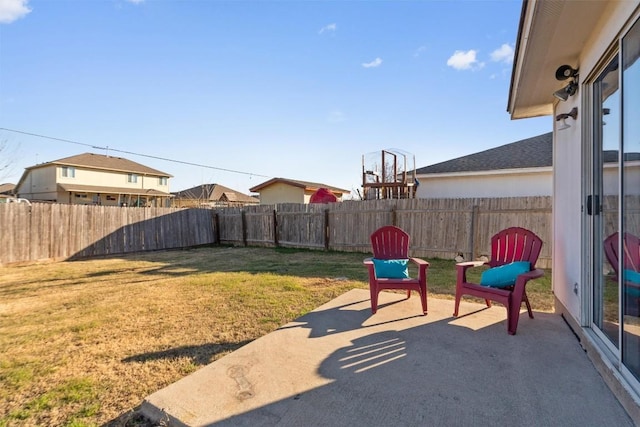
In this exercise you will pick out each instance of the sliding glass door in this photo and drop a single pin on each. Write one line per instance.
(602, 203)
(630, 279)
(612, 203)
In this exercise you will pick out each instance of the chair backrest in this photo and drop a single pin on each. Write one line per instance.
(515, 244)
(631, 251)
(390, 242)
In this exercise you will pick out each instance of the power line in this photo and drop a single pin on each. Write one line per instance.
(132, 153)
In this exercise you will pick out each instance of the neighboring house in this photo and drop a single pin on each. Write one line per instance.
(522, 168)
(95, 179)
(282, 190)
(578, 62)
(7, 189)
(519, 169)
(212, 195)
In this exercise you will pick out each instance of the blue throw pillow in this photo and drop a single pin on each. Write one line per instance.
(391, 268)
(504, 275)
(633, 277)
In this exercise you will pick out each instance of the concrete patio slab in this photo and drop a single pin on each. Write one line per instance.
(340, 365)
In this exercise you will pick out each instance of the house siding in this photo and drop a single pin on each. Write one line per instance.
(568, 234)
(495, 184)
(282, 193)
(91, 185)
(39, 184)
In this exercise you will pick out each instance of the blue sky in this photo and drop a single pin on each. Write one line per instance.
(293, 89)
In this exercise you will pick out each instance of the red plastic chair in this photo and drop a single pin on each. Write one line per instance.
(631, 262)
(388, 243)
(509, 245)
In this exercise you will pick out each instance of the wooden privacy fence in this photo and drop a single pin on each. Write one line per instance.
(57, 231)
(439, 228)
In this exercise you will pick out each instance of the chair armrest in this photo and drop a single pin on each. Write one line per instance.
(419, 261)
(533, 274)
(471, 264)
(523, 278)
(633, 285)
(422, 267)
(462, 268)
(370, 269)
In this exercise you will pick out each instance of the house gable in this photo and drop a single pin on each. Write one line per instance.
(95, 179)
(282, 190)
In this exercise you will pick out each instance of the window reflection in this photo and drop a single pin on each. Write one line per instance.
(630, 282)
(607, 121)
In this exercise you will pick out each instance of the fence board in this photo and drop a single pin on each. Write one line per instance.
(439, 228)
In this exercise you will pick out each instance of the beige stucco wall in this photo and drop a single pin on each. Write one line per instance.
(282, 193)
(103, 178)
(568, 237)
(39, 184)
(507, 183)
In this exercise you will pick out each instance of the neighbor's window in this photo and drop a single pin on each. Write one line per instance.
(132, 177)
(163, 180)
(68, 171)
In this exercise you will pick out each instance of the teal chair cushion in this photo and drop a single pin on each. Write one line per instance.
(391, 268)
(504, 275)
(633, 277)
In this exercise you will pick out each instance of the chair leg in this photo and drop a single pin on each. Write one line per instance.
(408, 293)
(374, 299)
(457, 304)
(423, 299)
(512, 321)
(488, 302)
(526, 301)
(513, 315)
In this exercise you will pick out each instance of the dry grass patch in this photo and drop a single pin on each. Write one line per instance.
(83, 342)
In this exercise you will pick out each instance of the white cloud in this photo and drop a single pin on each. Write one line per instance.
(461, 60)
(419, 51)
(375, 63)
(328, 28)
(503, 54)
(135, 1)
(11, 10)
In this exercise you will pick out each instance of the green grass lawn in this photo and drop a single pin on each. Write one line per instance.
(82, 343)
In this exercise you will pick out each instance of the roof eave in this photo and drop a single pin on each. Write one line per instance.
(545, 42)
(528, 170)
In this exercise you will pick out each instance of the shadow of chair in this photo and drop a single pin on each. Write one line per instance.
(631, 268)
(508, 246)
(390, 244)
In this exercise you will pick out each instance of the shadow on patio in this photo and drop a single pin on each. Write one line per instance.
(339, 365)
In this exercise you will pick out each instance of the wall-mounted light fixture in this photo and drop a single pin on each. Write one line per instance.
(565, 72)
(564, 116)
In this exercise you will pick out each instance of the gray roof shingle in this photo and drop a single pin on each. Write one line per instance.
(214, 192)
(100, 161)
(535, 152)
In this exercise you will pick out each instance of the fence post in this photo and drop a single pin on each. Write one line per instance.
(243, 216)
(474, 229)
(275, 228)
(394, 216)
(326, 229)
(216, 228)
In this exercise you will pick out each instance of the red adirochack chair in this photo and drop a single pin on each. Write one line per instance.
(631, 266)
(514, 253)
(388, 269)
